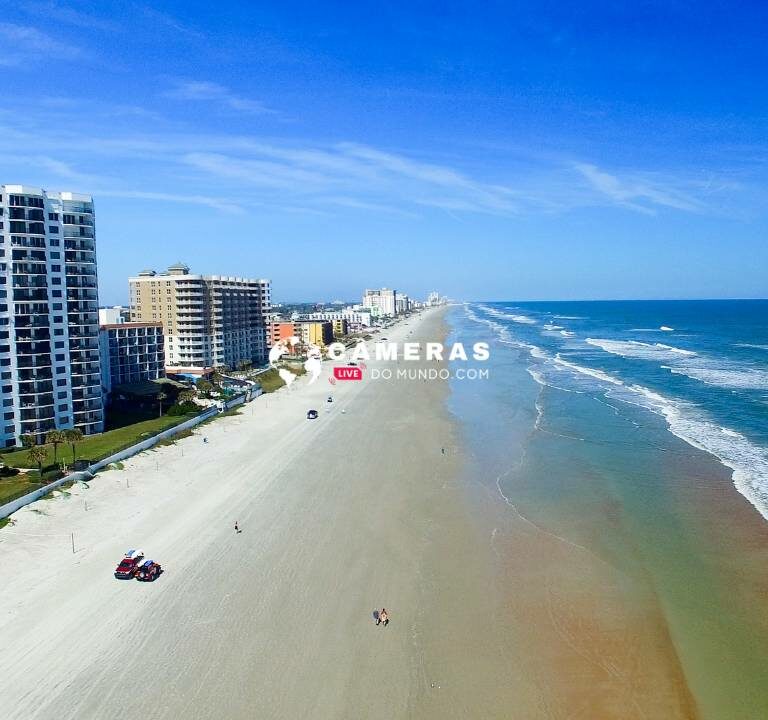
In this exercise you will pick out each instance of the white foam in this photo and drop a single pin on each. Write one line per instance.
(549, 326)
(748, 461)
(521, 319)
(666, 328)
(567, 333)
(752, 345)
(727, 377)
(640, 350)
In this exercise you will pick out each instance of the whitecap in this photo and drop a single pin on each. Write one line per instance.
(521, 319)
(727, 377)
(666, 328)
(640, 350)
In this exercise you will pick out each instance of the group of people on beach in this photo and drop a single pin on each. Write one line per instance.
(382, 618)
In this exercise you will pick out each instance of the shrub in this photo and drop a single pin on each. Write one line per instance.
(184, 408)
(6, 471)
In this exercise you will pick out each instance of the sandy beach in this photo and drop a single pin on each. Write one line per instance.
(498, 609)
(339, 516)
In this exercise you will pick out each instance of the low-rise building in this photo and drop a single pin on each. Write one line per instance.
(114, 315)
(340, 327)
(131, 352)
(314, 332)
(279, 330)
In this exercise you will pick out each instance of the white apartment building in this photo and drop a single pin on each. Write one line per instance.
(357, 318)
(208, 320)
(384, 299)
(49, 330)
(402, 303)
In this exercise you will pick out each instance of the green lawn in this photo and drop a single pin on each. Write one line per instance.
(270, 380)
(14, 487)
(96, 447)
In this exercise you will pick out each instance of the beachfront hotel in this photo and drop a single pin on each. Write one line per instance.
(383, 299)
(208, 320)
(49, 331)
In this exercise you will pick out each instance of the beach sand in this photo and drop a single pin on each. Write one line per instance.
(491, 615)
(339, 516)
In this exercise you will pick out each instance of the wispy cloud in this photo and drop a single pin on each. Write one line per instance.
(199, 90)
(62, 13)
(295, 175)
(205, 200)
(639, 192)
(19, 43)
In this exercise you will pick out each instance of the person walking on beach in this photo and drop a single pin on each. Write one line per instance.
(237, 529)
(383, 617)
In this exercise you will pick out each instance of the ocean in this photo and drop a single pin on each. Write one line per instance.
(638, 431)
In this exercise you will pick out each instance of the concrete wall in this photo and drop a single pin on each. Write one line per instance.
(14, 505)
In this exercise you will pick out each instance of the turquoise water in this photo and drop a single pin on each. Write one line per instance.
(700, 365)
(625, 428)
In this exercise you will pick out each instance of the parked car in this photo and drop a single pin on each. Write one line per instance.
(127, 567)
(312, 415)
(148, 571)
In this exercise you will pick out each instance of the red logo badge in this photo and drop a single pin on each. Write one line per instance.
(347, 372)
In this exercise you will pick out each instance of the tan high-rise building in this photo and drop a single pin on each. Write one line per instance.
(208, 320)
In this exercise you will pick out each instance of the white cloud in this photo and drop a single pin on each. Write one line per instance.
(20, 42)
(641, 192)
(199, 90)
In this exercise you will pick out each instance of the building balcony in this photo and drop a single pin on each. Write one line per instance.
(77, 231)
(31, 362)
(86, 245)
(34, 387)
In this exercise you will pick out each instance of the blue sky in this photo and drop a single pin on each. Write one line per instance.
(544, 150)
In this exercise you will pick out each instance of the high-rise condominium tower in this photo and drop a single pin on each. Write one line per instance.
(49, 324)
(208, 320)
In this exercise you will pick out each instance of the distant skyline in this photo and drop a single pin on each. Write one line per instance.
(568, 151)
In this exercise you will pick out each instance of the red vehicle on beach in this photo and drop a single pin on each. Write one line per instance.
(148, 571)
(127, 567)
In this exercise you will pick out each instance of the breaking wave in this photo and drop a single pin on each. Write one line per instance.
(641, 350)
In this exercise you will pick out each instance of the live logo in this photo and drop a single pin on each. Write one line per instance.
(347, 372)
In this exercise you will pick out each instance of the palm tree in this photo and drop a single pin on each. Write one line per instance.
(160, 397)
(28, 440)
(38, 454)
(73, 436)
(204, 387)
(55, 437)
(185, 396)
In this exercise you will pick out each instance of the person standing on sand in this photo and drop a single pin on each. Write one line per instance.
(237, 529)
(384, 617)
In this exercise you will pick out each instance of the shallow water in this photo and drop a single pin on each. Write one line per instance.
(595, 438)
